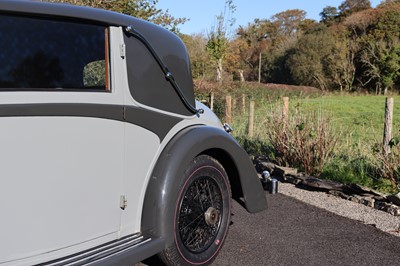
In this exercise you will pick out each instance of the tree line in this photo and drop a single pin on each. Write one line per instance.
(353, 47)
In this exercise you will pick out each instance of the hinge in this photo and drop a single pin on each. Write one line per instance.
(122, 51)
(123, 202)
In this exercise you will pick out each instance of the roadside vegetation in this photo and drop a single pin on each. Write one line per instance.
(332, 136)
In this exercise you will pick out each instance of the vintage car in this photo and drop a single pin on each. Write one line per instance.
(106, 157)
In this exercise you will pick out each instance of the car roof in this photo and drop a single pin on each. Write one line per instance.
(68, 11)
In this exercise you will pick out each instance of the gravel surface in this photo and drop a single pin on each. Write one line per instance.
(367, 215)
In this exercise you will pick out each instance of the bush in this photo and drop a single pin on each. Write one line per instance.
(304, 141)
(255, 147)
(390, 164)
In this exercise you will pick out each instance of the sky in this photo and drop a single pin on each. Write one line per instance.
(202, 12)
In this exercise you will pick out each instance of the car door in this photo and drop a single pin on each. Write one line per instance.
(61, 138)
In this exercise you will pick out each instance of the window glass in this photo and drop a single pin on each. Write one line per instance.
(41, 54)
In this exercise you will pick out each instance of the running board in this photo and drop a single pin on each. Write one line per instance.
(125, 251)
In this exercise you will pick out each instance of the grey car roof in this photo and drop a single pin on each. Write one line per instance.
(68, 11)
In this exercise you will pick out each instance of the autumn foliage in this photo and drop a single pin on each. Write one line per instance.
(352, 48)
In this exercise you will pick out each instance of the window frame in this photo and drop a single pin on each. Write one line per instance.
(107, 60)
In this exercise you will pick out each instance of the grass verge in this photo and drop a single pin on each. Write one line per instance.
(356, 122)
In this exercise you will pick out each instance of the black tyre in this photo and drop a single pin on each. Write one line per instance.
(202, 214)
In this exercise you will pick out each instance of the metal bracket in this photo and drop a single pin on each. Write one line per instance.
(123, 202)
(122, 51)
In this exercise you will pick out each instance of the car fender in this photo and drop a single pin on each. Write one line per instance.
(163, 187)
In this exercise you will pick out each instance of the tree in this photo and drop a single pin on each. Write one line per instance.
(380, 55)
(307, 62)
(381, 65)
(257, 35)
(217, 44)
(349, 7)
(269, 40)
(340, 63)
(144, 9)
(329, 15)
(389, 1)
(359, 23)
(287, 27)
(245, 51)
(289, 21)
(202, 67)
(236, 59)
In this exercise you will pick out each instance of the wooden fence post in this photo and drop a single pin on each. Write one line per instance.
(228, 110)
(285, 111)
(251, 120)
(387, 132)
(212, 101)
(243, 107)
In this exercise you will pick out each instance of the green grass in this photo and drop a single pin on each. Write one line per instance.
(356, 169)
(358, 119)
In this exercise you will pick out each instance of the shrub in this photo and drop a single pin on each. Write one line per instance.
(390, 164)
(255, 147)
(305, 141)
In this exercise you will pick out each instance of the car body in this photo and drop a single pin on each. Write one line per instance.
(102, 143)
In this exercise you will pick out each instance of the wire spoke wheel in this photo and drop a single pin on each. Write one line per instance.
(199, 216)
(202, 214)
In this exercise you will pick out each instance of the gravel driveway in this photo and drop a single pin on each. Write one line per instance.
(367, 215)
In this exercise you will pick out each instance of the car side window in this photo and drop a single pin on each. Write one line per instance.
(45, 54)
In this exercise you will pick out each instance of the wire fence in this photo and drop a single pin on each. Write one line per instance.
(359, 120)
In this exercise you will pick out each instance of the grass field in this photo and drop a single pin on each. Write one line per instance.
(358, 120)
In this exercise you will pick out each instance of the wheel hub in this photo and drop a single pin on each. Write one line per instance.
(211, 216)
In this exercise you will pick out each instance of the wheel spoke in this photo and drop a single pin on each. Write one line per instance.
(198, 217)
(209, 193)
(199, 197)
(195, 231)
(197, 234)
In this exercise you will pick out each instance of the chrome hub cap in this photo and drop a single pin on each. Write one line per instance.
(211, 216)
